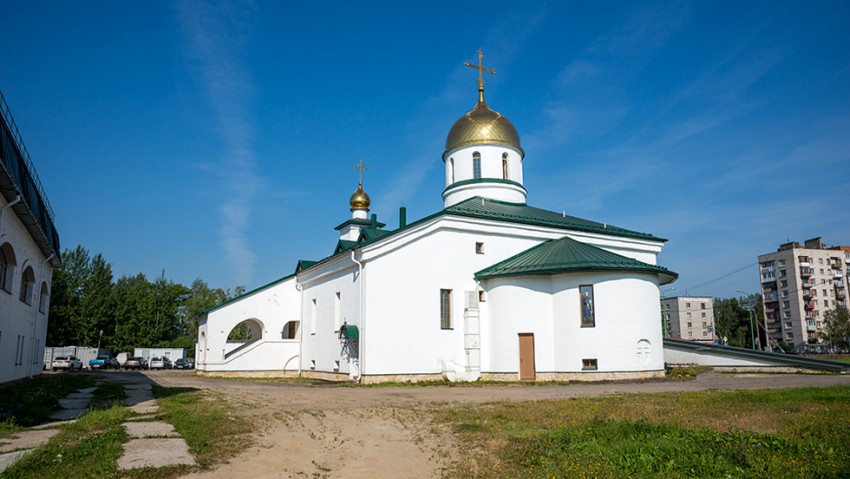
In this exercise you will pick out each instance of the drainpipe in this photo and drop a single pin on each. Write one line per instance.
(38, 282)
(361, 320)
(300, 289)
(3, 208)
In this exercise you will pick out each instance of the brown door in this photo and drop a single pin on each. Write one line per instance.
(526, 357)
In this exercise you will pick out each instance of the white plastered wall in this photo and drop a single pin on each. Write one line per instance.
(16, 317)
(272, 307)
(626, 312)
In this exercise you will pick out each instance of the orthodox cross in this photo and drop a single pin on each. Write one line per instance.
(481, 69)
(360, 166)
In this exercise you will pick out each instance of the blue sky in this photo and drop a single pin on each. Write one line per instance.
(215, 140)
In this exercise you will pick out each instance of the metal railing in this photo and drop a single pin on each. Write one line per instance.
(22, 150)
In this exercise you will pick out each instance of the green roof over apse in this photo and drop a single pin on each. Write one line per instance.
(567, 255)
(521, 213)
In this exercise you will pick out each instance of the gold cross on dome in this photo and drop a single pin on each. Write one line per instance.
(360, 166)
(481, 69)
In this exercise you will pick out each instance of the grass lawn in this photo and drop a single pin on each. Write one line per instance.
(789, 433)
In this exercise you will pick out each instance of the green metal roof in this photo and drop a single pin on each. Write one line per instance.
(370, 234)
(568, 255)
(304, 264)
(344, 245)
(521, 213)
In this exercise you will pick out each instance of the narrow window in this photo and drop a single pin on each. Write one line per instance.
(4, 268)
(504, 166)
(481, 297)
(479, 248)
(313, 317)
(589, 364)
(476, 165)
(27, 280)
(587, 315)
(43, 298)
(337, 313)
(445, 309)
(452, 169)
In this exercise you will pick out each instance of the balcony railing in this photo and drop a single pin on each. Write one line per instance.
(809, 305)
(805, 271)
(771, 297)
(807, 284)
(838, 283)
(835, 264)
(768, 277)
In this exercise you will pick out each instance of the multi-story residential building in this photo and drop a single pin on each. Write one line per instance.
(29, 250)
(689, 317)
(800, 284)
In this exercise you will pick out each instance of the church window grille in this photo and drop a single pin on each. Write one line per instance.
(476, 165)
(27, 282)
(589, 364)
(504, 166)
(445, 309)
(588, 319)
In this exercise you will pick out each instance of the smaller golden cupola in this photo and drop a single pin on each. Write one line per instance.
(359, 200)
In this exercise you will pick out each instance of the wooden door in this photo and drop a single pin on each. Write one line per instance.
(526, 357)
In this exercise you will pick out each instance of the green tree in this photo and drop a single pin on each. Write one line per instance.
(837, 326)
(732, 319)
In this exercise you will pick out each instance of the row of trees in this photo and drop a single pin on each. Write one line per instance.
(131, 311)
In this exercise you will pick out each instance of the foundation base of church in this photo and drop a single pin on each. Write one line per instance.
(587, 376)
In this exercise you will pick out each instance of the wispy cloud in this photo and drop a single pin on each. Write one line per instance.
(215, 34)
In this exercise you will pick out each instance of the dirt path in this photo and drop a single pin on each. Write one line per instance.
(327, 431)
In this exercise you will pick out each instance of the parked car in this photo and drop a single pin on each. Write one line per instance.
(66, 362)
(135, 362)
(103, 361)
(184, 363)
(160, 363)
(114, 364)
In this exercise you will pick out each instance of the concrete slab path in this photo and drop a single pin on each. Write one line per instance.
(18, 445)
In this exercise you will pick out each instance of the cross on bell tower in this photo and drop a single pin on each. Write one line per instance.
(361, 167)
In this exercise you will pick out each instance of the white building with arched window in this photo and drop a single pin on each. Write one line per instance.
(29, 250)
(489, 287)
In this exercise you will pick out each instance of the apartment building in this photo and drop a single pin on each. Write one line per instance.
(799, 285)
(689, 317)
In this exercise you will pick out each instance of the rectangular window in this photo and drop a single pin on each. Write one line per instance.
(704, 324)
(313, 317)
(789, 335)
(687, 305)
(690, 324)
(782, 262)
(479, 248)
(481, 296)
(825, 302)
(589, 364)
(784, 283)
(588, 319)
(476, 166)
(337, 313)
(504, 168)
(445, 309)
(786, 304)
(702, 306)
(19, 352)
(703, 315)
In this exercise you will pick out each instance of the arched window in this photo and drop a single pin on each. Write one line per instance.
(27, 285)
(504, 166)
(7, 267)
(290, 330)
(43, 298)
(451, 170)
(476, 165)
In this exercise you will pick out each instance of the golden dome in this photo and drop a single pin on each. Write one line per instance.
(360, 200)
(482, 126)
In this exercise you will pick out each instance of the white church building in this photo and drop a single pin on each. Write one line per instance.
(487, 288)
